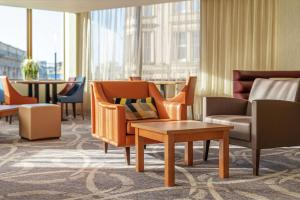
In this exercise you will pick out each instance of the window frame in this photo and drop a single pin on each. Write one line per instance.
(29, 40)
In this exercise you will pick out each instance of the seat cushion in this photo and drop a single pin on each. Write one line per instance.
(130, 129)
(241, 124)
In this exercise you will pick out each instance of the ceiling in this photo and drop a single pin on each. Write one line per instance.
(77, 6)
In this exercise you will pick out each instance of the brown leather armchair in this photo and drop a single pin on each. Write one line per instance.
(269, 119)
(108, 120)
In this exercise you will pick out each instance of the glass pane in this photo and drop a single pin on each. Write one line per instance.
(48, 43)
(12, 41)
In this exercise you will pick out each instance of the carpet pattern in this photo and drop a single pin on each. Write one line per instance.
(75, 168)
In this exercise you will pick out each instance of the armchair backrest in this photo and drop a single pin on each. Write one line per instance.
(243, 80)
(287, 90)
(76, 93)
(124, 89)
(11, 96)
(191, 87)
(67, 87)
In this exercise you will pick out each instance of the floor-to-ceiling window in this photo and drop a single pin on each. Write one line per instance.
(13, 43)
(48, 43)
(166, 39)
(46, 46)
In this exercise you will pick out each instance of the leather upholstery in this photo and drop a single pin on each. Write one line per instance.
(286, 90)
(241, 124)
(272, 117)
(34, 125)
(12, 97)
(108, 119)
(243, 80)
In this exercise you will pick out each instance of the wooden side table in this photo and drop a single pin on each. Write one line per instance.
(181, 131)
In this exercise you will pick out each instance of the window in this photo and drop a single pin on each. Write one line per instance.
(180, 46)
(195, 43)
(148, 47)
(12, 41)
(180, 7)
(148, 11)
(48, 43)
(196, 5)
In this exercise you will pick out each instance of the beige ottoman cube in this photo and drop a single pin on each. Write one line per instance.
(40, 121)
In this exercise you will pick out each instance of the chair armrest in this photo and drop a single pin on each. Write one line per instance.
(111, 123)
(275, 123)
(175, 110)
(224, 106)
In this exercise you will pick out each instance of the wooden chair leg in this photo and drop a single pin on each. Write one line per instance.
(6, 119)
(205, 149)
(82, 111)
(10, 119)
(62, 110)
(67, 110)
(192, 110)
(145, 146)
(255, 161)
(74, 110)
(105, 146)
(127, 154)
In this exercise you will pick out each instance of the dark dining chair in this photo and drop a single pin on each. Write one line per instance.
(66, 90)
(74, 96)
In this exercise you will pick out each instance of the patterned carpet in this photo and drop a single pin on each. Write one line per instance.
(75, 168)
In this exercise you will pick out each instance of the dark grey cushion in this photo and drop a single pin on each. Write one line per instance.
(241, 123)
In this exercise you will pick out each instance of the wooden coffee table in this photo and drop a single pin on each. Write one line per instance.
(180, 131)
(8, 110)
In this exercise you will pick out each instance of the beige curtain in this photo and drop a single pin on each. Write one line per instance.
(235, 34)
(83, 52)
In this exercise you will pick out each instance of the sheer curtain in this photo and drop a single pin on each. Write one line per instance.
(160, 42)
(170, 35)
(113, 44)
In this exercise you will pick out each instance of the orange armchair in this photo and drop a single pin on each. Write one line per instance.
(12, 97)
(187, 94)
(108, 119)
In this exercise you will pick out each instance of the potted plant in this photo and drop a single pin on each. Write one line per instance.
(30, 69)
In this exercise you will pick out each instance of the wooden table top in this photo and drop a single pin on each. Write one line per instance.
(173, 127)
(45, 82)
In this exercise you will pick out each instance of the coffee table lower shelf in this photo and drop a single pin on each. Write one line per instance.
(158, 132)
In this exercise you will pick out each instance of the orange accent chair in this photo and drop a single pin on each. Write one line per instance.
(135, 78)
(187, 94)
(108, 119)
(12, 97)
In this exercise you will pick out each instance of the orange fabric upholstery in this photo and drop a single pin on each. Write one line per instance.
(186, 95)
(12, 97)
(108, 119)
(67, 87)
(135, 78)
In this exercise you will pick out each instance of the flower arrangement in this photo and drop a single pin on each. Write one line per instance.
(30, 69)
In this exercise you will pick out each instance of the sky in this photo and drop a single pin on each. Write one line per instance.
(47, 32)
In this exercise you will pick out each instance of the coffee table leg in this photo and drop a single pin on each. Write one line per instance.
(169, 161)
(188, 153)
(139, 149)
(224, 156)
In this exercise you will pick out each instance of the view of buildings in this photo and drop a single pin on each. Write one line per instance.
(11, 59)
